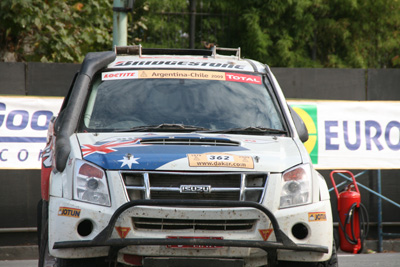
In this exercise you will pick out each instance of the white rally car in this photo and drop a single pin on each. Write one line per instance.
(170, 157)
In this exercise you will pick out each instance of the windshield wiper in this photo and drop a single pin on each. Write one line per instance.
(249, 130)
(165, 127)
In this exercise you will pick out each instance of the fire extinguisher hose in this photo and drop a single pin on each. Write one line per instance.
(350, 219)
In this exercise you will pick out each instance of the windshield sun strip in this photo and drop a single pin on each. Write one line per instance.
(264, 82)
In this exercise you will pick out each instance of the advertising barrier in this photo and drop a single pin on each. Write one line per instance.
(352, 134)
(342, 134)
(23, 129)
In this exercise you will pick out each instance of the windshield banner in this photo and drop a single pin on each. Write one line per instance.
(342, 134)
(352, 134)
(181, 74)
(23, 129)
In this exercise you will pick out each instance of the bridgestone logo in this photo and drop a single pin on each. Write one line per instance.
(179, 63)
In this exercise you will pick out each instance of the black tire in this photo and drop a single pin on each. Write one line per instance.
(95, 262)
(43, 235)
(39, 221)
(332, 262)
(336, 237)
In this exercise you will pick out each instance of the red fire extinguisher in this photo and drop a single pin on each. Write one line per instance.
(352, 215)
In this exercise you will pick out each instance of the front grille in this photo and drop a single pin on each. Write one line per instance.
(195, 185)
(188, 224)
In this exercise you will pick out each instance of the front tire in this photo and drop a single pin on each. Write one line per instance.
(95, 262)
(332, 262)
(45, 259)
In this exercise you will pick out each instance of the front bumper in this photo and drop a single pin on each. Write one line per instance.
(104, 238)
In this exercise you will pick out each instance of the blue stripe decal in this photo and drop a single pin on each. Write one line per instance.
(11, 139)
(151, 157)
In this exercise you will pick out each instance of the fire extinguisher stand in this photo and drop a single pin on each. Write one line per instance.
(350, 210)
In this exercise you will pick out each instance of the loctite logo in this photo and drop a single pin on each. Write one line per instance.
(119, 75)
(235, 77)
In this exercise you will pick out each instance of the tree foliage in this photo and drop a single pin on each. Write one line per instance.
(161, 23)
(54, 30)
(284, 33)
(288, 33)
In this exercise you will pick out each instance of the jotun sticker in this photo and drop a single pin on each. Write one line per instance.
(220, 160)
(316, 216)
(69, 212)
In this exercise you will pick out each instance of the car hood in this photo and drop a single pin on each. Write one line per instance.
(189, 152)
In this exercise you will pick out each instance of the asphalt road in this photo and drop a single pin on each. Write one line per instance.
(369, 260)
(345, 260)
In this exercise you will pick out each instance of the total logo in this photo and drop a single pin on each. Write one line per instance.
(243, 78)
(309, 115)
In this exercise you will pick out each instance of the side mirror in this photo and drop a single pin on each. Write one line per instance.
(300, 125)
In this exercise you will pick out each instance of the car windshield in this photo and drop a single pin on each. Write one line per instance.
(207, 101)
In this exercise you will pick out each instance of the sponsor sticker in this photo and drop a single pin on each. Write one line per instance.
(220, 160)
(119, 75)
(183, 64)
(122, 231)
(243, 78)
(265, 233)
(182, 74)
(316, 216)
(69, 212)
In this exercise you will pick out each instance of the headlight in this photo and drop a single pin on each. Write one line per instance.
(296, 186)
(90, 184)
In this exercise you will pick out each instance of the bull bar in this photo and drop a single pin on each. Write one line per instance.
(271, 247)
